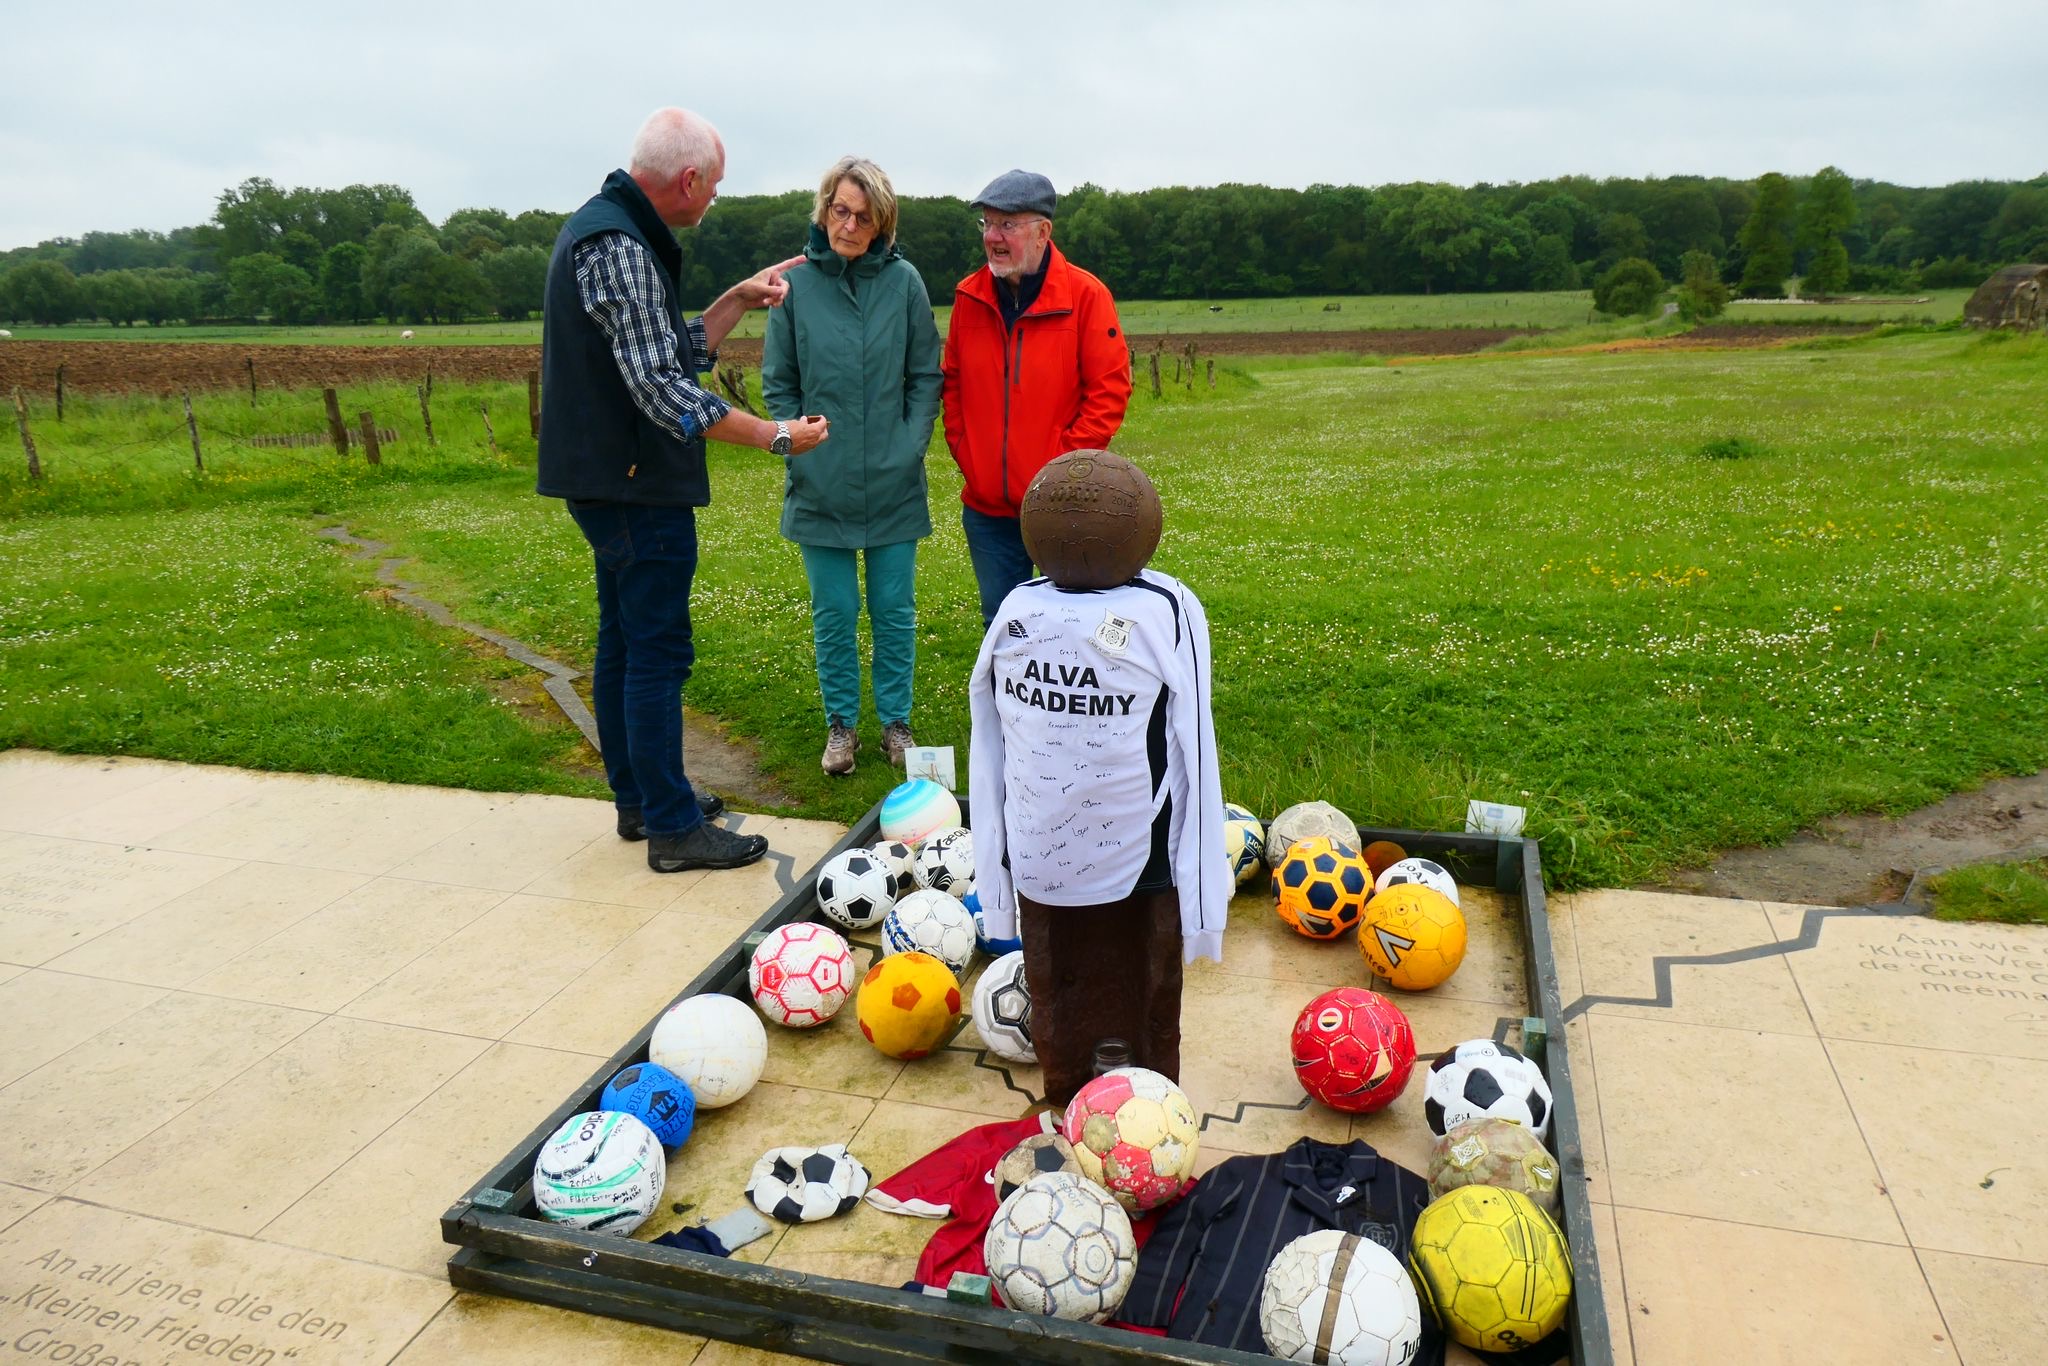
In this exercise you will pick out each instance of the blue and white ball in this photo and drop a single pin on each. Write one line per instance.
(916, 809)
(931, 922)
(603, 1170)
(657, 1098)
(994, 948)
(1244, 842)
(945, 862)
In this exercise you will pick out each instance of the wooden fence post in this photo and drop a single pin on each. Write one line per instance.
(533, 402)
(1212, 372)
(372, 452)
(334, 427)
(489, 435)
(28, 443)
(426, 418)
(192, 426)
(1154, 358)
(60, 392)
(250, 361)
(430, 379)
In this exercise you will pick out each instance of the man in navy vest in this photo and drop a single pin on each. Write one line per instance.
(622, 436)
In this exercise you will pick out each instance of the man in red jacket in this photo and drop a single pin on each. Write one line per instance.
(1036, 365)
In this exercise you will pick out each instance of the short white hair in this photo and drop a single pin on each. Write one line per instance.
(672, 140)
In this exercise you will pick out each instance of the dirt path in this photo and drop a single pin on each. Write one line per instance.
(1854, 860)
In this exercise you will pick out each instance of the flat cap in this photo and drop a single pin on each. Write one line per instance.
(1018, 192)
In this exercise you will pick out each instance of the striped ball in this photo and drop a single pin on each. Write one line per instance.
(917, 808)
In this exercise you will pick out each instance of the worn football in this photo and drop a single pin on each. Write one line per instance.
(1302, 820)
(1135, 1134)
(1495, 1152)
(801, 974)
(1413, 936)
(1059, 1246)
(1428, 872)
(804, 1185)
(1320, 888)
(907, 1004)
(1244, 842)
(1002, 1009)
(1491, 1268)
(1090, 519)
(1481, 1078)
(602, 1170)
(857, 887)
(934, 922)
(1037, 1155)
(945, 862)
(1353, 1050)
(1332, 1296)
(713, 1042)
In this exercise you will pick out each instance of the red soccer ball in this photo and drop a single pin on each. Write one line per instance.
(1353, 1050)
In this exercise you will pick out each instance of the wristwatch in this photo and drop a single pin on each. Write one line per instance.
(780, 445)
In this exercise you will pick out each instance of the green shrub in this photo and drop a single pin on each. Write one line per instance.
(1630, 289)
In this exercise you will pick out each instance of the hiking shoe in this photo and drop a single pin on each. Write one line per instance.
(708, 846)
(631, 827)
(895, 740)
(840, 743)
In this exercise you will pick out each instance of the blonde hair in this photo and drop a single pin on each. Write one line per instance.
(673, 139)
(873, 182)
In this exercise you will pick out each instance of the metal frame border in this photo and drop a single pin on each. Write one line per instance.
(505, 1250)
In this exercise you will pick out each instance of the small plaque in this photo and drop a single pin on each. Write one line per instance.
(930, 761)
(1494, 818)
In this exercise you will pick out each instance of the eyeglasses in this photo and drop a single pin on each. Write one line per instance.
(1008, 227)
(843, 215)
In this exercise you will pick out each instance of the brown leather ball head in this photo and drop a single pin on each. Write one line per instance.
(1090, 520)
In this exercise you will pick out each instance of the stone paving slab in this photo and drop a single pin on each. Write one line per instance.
(257, 1031)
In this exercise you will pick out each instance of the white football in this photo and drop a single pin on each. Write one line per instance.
(1482, 1078)
(804, 1185)
(933, 923)
(856, 887)
(714, 1043)
(945, 862)
(1302, 821)
(901, 859)
(1060, 1246)
(1427, 872)
(1331, 1296)
(1002, 1009)
(801, 974)
(603, 1170)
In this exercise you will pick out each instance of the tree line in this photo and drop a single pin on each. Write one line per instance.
(365, 252)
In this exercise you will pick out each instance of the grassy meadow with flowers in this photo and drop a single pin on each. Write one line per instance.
(1670, 601)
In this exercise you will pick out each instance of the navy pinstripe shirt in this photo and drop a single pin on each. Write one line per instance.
(1200, 1275)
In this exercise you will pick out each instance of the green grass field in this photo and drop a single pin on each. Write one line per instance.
(1566, 308)
(1671, 602)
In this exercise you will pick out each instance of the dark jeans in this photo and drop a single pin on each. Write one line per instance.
(1102, 972)
(996, 546)
(646, 557)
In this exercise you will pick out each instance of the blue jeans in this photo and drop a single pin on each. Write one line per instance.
(646, 558)
(996, 546)
(892, 617)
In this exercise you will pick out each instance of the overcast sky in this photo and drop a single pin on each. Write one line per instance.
(116, 116)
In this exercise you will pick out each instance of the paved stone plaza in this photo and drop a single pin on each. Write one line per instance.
(258, 1031)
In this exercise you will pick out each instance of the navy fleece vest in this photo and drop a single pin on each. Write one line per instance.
(595, 443)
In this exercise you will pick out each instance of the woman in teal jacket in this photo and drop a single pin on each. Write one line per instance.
(855, 340)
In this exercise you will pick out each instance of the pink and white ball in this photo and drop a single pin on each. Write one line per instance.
(1135, 1134)
(801, 974)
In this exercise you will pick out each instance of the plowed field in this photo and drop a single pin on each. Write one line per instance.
(167, 367)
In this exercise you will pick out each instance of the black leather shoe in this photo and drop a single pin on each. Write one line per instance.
(631, 828)
(708, 846)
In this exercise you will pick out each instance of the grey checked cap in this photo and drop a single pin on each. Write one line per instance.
(1018, 192)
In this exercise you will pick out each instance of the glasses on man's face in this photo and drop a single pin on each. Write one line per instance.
(843, 215)
(1008, 227)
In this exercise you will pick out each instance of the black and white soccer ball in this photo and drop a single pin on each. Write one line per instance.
(901, 859)
(1427, 872)
(1038, 1155)
(1002, 1009)
(858, 889)
(945, 862)
(1481, 1078)
(804, 1185)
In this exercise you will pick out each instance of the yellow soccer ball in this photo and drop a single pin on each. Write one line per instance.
(1491, 1267)
(1412, 936)
(907, 1004)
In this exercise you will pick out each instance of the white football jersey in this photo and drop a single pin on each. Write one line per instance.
(1092, 768)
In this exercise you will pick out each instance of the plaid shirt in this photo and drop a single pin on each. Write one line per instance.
(620, 284)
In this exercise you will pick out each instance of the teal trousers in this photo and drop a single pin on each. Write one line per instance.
(892, 618)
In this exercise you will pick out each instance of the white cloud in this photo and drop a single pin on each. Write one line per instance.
(134, 115)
